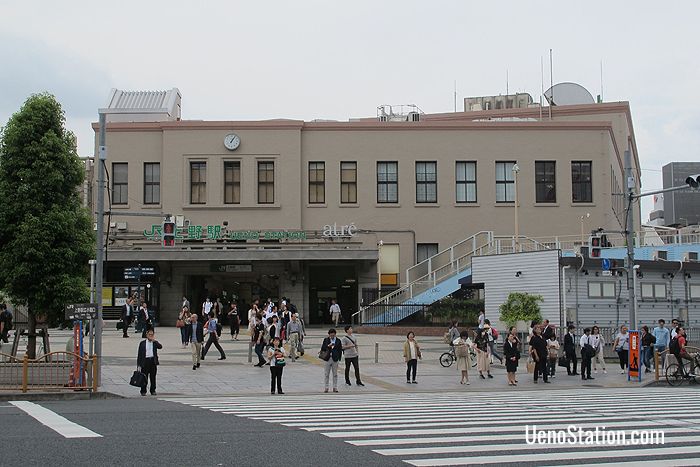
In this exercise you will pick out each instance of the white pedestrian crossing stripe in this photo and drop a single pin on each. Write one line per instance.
(468, 428)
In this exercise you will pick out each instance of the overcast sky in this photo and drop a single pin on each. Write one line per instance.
(301, 59)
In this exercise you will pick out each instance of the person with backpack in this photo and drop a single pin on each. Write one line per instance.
(462, 345)
(677, 348)
(212, 327)
(492, 337)
(452, 333)
(481, 341)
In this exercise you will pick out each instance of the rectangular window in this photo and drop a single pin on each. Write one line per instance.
(505, 182)
(266, 182)
(601, 290)
(581, 182)
(151, 183)
(198, 182)
(654, 290)
(348, 182)
(387, 182)
(694, 291)
(426, 182)
(232, 182)
(120, 183)
(466, 182)
(545, 182)
(317, 182)
(425, 251)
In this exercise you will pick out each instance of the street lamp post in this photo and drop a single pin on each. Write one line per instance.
(516, 169)
(99, 256)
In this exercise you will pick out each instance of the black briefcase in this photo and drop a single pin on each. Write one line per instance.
(120, 325)
(138, 379)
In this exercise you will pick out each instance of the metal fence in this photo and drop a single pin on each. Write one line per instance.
(419, 315)
(53, 371)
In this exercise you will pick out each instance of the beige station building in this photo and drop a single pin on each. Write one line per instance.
(315, 210)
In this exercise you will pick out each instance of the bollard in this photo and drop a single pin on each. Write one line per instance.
(656, 365)
(94, 373)
(250, 352)
(376, 352)
(25, 372)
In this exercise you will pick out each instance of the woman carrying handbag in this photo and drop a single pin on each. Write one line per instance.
(183, 319)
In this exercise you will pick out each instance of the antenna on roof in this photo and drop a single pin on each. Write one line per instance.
(506, 81)
(455, 96)
(551, 82)
(541, 83)
(601, 82)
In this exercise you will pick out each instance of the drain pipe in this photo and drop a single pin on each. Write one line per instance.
(562, 313)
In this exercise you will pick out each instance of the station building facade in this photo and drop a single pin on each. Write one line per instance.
(319, 210)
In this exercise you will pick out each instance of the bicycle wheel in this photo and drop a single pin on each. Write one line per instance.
(472, 357)
(696, 373)
(673, 375)
(446, 359)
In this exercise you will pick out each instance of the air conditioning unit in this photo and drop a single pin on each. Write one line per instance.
(660, 255)
(413, 117)
(690, 257)
(112, 225)
(121, 225)
(383, 118)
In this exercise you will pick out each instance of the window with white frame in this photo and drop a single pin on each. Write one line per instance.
(653, 290)
(465, 178)
(602, 289)
(694, 291)
(505, 182)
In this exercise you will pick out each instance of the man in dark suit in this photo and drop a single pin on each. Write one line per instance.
(127, 315)
(547, 330)
(333, 345)
(147, 360)
(145, 319)
(570, 350)
(194, 334)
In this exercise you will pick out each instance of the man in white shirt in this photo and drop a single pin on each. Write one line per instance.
(206, 308)
(335, 311)
(587, 352)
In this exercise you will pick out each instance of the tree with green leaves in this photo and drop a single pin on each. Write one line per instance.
(46, 237)
(521, 306)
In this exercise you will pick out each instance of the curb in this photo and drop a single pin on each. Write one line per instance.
(57, 396)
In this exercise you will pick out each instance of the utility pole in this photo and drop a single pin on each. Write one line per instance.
(692, 182)
(99, 273)
(629, 230)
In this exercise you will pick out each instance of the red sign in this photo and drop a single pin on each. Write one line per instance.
(634, 363)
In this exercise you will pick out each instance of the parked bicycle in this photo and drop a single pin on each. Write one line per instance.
(449, 357)
(690, 373)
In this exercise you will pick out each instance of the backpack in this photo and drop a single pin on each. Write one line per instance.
(446, 338)
(674, 347)
(461, 350)
(494, 333)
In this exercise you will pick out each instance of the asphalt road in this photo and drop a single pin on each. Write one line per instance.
(147, 431)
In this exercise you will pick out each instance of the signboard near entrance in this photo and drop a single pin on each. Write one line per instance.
(231, 268)
(80, 311)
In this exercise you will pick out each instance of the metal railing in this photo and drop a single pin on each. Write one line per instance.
(52, 371)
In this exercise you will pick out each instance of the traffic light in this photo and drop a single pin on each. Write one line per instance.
(693, 181)
(168, 233)
(594, 246)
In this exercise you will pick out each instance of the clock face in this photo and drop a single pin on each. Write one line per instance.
(232, 141)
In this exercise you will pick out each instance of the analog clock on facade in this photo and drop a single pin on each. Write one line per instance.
(232, 141)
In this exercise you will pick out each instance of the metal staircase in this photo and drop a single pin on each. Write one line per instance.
(438, 276)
